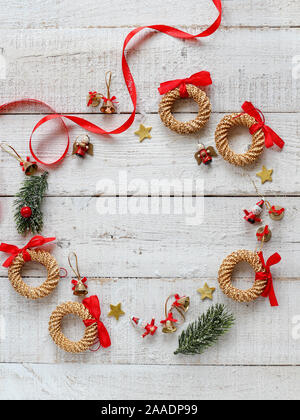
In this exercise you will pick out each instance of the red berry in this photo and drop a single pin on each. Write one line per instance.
(26, 212)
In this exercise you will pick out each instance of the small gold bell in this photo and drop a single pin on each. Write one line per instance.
(29, 168)
(277, 213)
(184, 303)
(169, 328)
(80, 289)
(108, 107)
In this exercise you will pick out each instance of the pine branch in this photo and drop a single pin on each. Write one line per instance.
(31, 195)
(206, 331)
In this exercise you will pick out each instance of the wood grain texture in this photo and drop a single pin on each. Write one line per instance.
(262, 335)
(72, 14)
(35, 381)
(61, 66)
(167, 156)
(148, 245)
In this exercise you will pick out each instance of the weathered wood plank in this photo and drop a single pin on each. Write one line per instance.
(62, 66)
(261, 335)
(31, 381)
(71, 14)
(167, 156)
(147, 245)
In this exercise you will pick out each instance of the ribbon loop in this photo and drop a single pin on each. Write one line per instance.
(34, 242)
(271, 137)
(198, 79)
(266, 275)
(93, 306)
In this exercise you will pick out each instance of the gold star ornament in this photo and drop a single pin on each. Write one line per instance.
(116, 311)
(265, 175)
(144, 133)
(206, 292)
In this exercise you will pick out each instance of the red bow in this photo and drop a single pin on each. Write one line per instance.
(198, 79)
(93, 306)
(113, 99)
(75, 282)
(177, 297)
(92, 97)
(14, 250)
(150, 329)
(270, 136)
(266, 275)
(278, 212)
(170, 318)
(265, 232)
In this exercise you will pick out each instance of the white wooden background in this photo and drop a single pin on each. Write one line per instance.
(57, 51)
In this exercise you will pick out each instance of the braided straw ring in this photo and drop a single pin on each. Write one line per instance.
(221, 137)
(187, 127)
(60, 339)
(42, 257)
(225, 274)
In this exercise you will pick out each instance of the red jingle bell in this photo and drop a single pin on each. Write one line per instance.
(26, 212)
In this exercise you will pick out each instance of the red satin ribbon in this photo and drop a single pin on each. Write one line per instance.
(170, 318)
(260, 236)
(88, 126)
(198, 79)
(177, 297)
(278, 212)
(14, 250)
(93, 306)
(75, 282)
(271, 137)
(266, 275)
(150, 329)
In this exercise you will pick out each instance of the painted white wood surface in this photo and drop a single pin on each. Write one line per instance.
(140, 259)
(166, 156)
(103, 382)
(61, 66)
(75, 14)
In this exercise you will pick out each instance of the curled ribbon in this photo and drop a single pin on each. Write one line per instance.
(14, 250)
(169, 318)
(150, 329)
(274, 211)
(75, 282)
(198, 79)
(130, 84)
(93, 306)
(270, 136)
(266, 275)
(260, 236)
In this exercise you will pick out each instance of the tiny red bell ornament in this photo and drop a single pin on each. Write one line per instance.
(108, 106)
(82, 146)
(252, 215)
(205, 155)
(26, 212)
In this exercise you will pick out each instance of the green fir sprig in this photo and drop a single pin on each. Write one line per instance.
(31, 195)
(206, 331)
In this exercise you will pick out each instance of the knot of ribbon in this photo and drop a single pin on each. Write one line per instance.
(198, 79)
(176, 303)
(169, 318)
(112, 99)
(271, 137)
(274, 211)
(260, 236)
(75, 282)
(150, 329)
(92, 96)
(14, 250)
(266, 275)
(93, 306)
